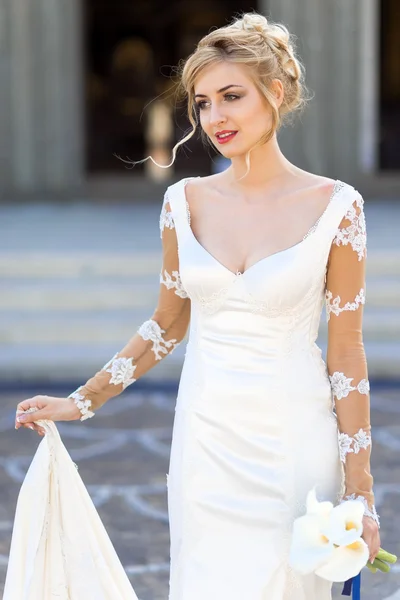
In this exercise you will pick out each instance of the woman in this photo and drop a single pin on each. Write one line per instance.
(249, 256)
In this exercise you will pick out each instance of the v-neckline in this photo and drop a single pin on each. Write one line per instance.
(307, 236)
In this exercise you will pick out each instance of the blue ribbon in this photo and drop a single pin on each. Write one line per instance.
(353, 584)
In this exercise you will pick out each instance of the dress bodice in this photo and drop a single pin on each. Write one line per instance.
(286, 287)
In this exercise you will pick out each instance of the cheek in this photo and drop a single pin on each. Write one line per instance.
(257, 119)
(204, 122)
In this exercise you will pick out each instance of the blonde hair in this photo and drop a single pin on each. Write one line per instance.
(268, 49)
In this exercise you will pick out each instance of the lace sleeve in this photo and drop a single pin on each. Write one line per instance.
(346, 360)
(155, 338)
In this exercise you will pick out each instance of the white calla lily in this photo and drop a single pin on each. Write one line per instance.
(327, 540)
(345, 523)
(314, 507)
(345, 562)
(310, 548)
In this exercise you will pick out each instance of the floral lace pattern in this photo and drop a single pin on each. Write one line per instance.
(150, 330)
(369, 512)
(334, 306)
(210, 304)
(173, 281)
(258, 306)
(189, 220)
(355, 234)
(121, 370)
(83, 404)
(166, 219)
(341, 385)
(361, 440)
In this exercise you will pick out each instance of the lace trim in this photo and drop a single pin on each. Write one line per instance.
(341, 385)
(150, 330)
(338, 186)
(335, 308)
(360, 441)
(84, 404)
(170, 283)
(275, 311)
(356, 233)
(189, 219)
(166, 219)
(121, 370)
(369, 512)
(210, 304)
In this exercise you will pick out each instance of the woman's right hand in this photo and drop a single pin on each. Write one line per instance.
(48, 408)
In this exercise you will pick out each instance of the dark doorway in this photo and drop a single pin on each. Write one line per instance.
(389, 151)
(130, 48)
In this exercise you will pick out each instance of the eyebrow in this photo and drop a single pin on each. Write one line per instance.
(220, 91)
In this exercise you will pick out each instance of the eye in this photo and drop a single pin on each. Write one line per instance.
(201, 105)
(231, 97)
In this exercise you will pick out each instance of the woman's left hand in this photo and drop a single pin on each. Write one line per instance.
(371, 536)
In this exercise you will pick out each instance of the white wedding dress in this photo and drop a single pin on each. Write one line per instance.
(60, 548)
(254, 426)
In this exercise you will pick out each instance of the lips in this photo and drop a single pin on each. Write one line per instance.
(223, 137)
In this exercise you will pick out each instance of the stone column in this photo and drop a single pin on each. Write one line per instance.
(5, 100)
(42, 149)
(327, 139)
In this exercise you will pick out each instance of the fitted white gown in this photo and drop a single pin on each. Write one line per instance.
(260, 417)
(254, 428)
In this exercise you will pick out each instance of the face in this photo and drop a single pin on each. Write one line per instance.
(233, 112)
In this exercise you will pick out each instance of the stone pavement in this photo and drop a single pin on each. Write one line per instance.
(123, 456)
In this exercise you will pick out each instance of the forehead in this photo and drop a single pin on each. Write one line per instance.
(216, 76)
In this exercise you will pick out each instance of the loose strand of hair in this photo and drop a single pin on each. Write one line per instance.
(133, 163)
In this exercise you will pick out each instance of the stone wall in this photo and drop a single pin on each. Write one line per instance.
(41, 95)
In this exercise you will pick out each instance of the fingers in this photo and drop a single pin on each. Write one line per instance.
(371, 537)
(35, 402)
(34, 427)
(374, 551)
(38, 415)
(374, 546)
(27, 419)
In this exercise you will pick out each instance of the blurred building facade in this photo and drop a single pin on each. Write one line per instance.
(78, 79)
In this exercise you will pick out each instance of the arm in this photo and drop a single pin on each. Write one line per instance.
(155, 338)
(346, 360)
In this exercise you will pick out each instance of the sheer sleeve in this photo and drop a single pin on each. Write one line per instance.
(155, 338)
(346, 360)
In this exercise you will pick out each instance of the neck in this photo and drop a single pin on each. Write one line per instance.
(267, 164)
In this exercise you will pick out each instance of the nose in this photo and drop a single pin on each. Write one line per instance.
(216, 116)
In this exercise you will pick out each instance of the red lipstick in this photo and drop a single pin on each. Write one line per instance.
(225, 136)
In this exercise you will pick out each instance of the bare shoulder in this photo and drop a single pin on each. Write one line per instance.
(197, 187)
(316, 183)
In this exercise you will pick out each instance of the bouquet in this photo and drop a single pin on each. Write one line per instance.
(327, 541)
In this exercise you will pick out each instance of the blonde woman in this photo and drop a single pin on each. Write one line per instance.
(249, 257)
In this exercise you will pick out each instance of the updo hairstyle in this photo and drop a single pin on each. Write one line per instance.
(266, 48)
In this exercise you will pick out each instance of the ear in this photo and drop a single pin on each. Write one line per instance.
(277, 90)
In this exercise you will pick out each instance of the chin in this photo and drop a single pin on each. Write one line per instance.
(233, 152)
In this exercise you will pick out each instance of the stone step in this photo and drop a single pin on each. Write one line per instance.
(76, 363)
(116, 327)
(78, 294)
(128, 265)
(75, 265)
